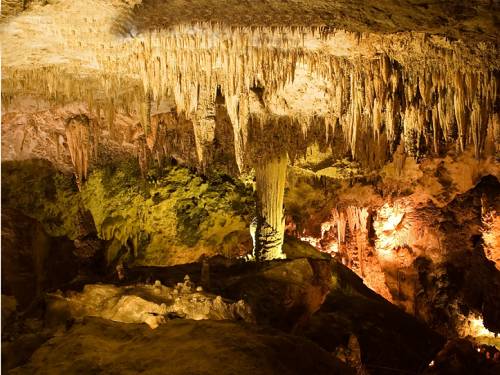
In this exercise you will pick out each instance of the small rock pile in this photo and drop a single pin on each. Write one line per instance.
(152, 304)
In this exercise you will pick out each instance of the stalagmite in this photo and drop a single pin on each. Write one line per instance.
(357, 218)
(351, 225)
(270, 186)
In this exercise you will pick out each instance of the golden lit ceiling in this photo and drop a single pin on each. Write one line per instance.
(396, 63)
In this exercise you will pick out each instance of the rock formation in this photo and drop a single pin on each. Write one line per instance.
(270, 229)
(144, 137)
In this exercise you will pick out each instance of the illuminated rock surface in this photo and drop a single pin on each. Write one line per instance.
(145, 140)
(149, 304)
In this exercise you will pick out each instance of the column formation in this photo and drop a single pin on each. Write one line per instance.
(270, 225)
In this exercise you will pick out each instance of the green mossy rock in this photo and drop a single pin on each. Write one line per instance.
(173, 218)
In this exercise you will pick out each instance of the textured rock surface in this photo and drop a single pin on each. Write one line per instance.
(174, 209)
(32, 261)
(315, 298)
(287, 294)
(453, 17)
(326, 302)
(460, 357)
(283, 295)
(424, 241)
(179, 347)
(384, 115)
(389, 340)
(150, 304)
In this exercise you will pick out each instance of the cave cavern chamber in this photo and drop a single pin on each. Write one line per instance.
(250, 187)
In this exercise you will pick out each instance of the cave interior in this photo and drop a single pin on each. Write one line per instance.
(250, 187)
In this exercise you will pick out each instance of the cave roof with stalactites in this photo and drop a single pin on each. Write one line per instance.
(372, 68)
(476, 19)
(45, 33)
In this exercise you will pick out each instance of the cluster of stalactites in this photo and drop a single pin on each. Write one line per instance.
(194, 67)
(81, 144)
(380, 104)
(355, 220)
(376, 103)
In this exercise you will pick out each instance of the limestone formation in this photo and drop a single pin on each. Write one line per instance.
(144, 138)
(80, 144)
(150, 304)
(270, 228)
(374, 92)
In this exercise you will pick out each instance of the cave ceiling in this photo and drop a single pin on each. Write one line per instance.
(362, 66)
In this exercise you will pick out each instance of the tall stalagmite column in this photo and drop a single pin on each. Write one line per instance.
(270, 230)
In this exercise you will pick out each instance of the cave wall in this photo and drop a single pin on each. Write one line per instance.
(421, 237)
(174, 216)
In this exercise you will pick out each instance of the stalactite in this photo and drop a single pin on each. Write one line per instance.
(237, 109)
(204, 132)
(341, 223)
(270, 187)
(81, 143)
(460, 109)
(110, 117)
(143, 155)
(145, 114)
(375, 101)
(479, 123)
(204, 129)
